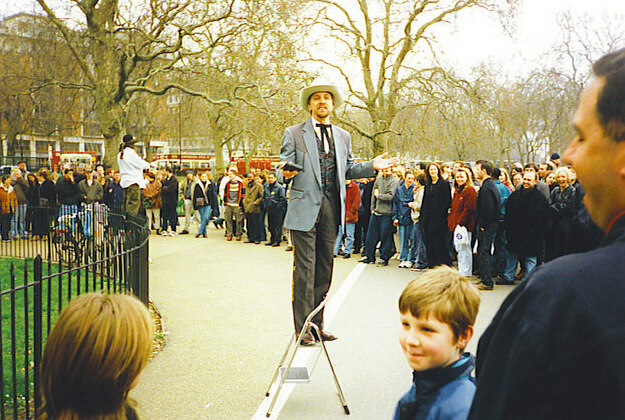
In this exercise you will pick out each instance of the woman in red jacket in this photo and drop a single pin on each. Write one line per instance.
(352, 203)
(462, 213)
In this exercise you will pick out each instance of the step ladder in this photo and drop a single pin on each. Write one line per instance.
(301, 374)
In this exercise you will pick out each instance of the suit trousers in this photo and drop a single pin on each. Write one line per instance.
(275, 219)
(313, 263)
(252, 221)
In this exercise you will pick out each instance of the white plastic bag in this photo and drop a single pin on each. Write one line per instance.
(461, 237)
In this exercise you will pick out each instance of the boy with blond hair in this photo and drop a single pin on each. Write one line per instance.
(437, 312)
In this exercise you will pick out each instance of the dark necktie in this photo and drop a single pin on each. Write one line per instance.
(325, 135)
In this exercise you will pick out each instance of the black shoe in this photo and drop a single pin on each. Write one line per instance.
(382, 263)
(269, 244)
(307, 339)
(325, 335)
(184, 232)
(275, 244)
(248, 242)
(197, 236)
(346, 256)
(483, 286)
(504, 282)
(366, 260)
(257, 242)
(204, 236)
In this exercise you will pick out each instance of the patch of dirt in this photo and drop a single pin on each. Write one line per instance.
(159, 331)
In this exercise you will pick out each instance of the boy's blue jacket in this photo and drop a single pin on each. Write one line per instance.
(401, 211)
(442, 393)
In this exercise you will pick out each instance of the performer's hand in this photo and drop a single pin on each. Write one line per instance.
(395, 222)
(383, 162)
(288, 174)
(376, 192)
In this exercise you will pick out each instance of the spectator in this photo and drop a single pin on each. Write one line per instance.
(275, 206)
(500, 256)
(487, 215)
(462, 214)
(117, 192)
(8, 204)
(555, 159)
(169, 197)
(505, 179)
(233, 199)
(525, 225)
(550, 179)
(185, 190)
(21, 187)
(67, 194)
(262, 176)
(32, 200)
(94, 356)
(252, 201)
(21, 165)
(433, 218)
(364, 214)
(152, 202)
(352, 203)
(541, 185)
(47, 201)
(379, 230)
(90, 190)
(562, 209)
(205, 201)
(437, 313)
(517, 179)
(420, 261)
(401, 219)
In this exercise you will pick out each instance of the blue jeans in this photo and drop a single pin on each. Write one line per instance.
(500, 257)
(18, 222)
(68, 209)
(513, 258)
(405, 242)
(87, 223)
(419, 252)
(350, 228)
(379, 230)
(205, 215)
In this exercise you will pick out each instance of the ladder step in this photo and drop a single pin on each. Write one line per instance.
(296, 374)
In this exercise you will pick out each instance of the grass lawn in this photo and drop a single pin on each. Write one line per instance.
(55, 294)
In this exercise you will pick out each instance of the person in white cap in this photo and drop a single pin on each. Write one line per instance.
(318, 161)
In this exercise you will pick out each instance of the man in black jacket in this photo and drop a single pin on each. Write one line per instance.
(169, 197)
(525, 224)
(487, 214)
(555, 348)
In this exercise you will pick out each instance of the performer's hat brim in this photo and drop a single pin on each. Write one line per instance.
(320, 85)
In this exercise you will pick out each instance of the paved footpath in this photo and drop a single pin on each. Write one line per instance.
(227, 311)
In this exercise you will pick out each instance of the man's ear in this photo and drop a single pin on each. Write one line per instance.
(464, 339)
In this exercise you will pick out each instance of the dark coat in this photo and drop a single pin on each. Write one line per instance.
(253, 197)
(555, 348)
(67, 191)
(525, 221)
(209, 195)
(435, 207)
(274, 198)
(401, 210)
(563, 208)
(169, 191)
(47, 191)
(488, 208)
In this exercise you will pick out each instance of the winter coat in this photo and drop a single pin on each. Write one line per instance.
(463, 209)
(555, 348)
(443, 393)
(21, 187)
(33, 194)
(415, 205)
(504, 193)
(352, 202)
(8, 200)
(47, 192)
(401, 209)
(563, 208)
(66, 192)
(169, 191)
(253, 197)
(152, 192)
(488, 208)
(526, 221)
(435, 207)
(274, 198)
(207, 192)
(383, 203)
(90, 193)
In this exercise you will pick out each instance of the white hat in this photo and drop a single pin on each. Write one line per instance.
(320, 85)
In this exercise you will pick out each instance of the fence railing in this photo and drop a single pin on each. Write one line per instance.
(67, 251)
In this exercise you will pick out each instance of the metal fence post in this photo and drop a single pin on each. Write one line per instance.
(37, 326)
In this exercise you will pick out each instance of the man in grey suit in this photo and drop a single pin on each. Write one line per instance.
(317, 198)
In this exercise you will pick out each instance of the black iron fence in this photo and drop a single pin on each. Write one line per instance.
(61, 253)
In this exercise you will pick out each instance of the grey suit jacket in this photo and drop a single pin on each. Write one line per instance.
(299, 145)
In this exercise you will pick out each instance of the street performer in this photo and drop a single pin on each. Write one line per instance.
(318, 161)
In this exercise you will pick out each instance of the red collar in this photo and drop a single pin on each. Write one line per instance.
(614, 219)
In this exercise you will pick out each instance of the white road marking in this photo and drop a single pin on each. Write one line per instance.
(304, 353)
